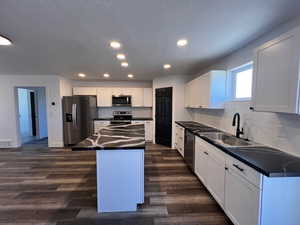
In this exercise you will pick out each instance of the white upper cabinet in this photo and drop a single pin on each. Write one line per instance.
(141, 97)
(276, 74)
(207, 91)
(84, 91)
(148, 97)
(137, 97)
(104, 97)
(116, 91)
(187, 95)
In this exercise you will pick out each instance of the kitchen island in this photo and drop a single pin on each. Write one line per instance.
(120, 166)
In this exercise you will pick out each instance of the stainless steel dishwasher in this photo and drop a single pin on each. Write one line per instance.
(189, 149)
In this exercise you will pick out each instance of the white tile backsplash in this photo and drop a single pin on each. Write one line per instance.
(277, 130)
(136, 112)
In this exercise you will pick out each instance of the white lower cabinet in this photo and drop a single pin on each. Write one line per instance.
(242, 200)
(98, 124)
(179, 139)
(247, 196)
(216, 178)
(210, 168)
(148, 128)
(201, 168)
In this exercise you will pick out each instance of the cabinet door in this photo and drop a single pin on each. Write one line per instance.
(204, 89)
(148, 97)
(187, 95)
(201, 168)
(117, 91)
(137, 97)
(100, 124)
(276, 75)
(148, 131)
(195, 93)
(104, 97)
(242, 200)
(126, 91)
(216, 179)
(84, 91)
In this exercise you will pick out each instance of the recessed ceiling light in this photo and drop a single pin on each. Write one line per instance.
(124, 64)
(5, 41)
(182, 42)
(115, 44)
(130, 75)
(81, 75)
(106, 75)
(121, 56)
(167, 66)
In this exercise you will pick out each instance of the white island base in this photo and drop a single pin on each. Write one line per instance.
(120, 180)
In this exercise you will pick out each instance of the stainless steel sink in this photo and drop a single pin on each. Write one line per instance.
(228, 140)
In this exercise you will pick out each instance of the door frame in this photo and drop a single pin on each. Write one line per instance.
(154, 113)
(36, 110)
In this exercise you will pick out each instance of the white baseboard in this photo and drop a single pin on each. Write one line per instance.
(8, 143)
(56, 144)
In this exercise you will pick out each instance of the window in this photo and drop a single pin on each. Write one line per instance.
(242, 82)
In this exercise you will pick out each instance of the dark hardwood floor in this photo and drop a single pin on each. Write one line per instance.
(45, 186)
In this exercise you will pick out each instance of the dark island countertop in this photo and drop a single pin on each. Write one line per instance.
(133, 119)
(269, 161)
(115, 136)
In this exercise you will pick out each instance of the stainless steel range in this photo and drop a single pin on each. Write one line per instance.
(121, 117)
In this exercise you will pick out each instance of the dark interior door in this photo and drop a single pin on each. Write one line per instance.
(163, 116)
(33, 113)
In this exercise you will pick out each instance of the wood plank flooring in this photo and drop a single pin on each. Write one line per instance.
(45, 186)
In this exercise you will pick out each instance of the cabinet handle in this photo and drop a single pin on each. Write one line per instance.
(239, 168)
(206, 153)
(226, 168)
(251, 108)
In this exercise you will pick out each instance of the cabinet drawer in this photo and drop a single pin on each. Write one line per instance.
(245, 171)
(211, 149)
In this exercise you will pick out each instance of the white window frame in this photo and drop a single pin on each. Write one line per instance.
(232, 85)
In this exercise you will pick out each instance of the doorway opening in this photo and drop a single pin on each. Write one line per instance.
(32, 114)
(163, 116)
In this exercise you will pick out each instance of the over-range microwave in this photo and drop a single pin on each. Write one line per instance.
(122, 100)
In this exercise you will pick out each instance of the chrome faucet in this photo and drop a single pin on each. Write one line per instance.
(238, 131)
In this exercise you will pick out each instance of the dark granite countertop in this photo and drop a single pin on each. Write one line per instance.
(134, 118)
(269, 161)
(115, 136)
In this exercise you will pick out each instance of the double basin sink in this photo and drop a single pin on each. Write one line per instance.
(227, 140)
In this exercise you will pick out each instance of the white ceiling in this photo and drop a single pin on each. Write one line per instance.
(68, 37)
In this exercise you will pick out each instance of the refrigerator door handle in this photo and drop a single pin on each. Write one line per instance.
(75, 115)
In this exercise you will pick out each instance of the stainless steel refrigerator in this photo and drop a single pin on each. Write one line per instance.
(78, 115)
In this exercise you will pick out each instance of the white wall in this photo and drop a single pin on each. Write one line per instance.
(179, 112)
(9, 129)
(41, 110)
(277, 130)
